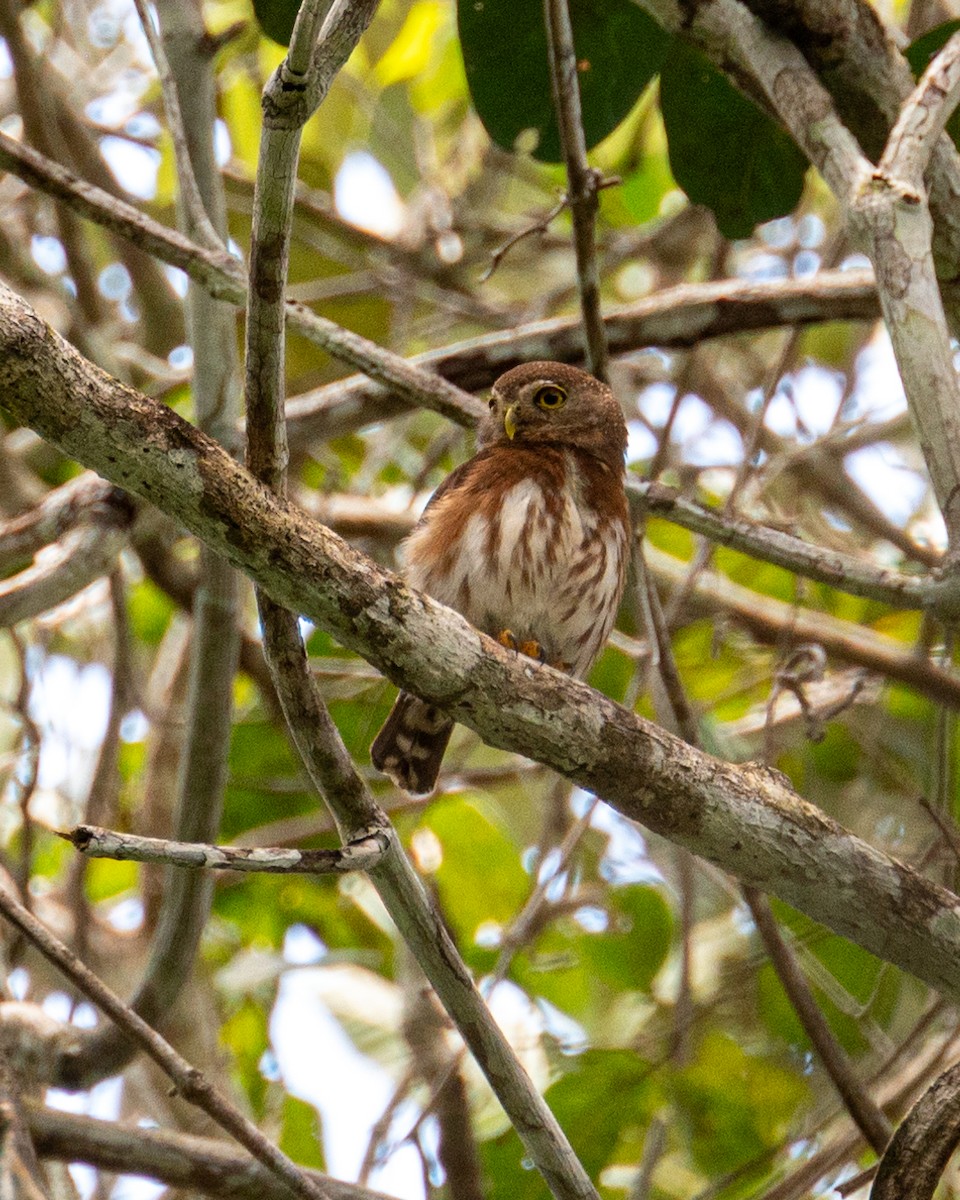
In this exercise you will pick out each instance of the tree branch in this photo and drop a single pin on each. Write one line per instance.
(314, 733)
(582, 182)
(94, 842)
(214, 646)
(209, 1166)
(923, 1144)
(190, 1082)
(746, 819)
(868, 1116)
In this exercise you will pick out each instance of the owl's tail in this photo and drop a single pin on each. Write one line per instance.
(410, 746)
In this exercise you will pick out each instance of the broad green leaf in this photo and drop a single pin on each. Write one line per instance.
(480, 877)
(631, 952)
(149, 611)
(643, 191)
(300, 1133)
(411, 49)
(504, 42)
(737, 1104)
(724, 152)
(603, 1094)
(919, 53)
(245, 1036)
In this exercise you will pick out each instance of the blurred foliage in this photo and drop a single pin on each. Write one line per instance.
(630, 995)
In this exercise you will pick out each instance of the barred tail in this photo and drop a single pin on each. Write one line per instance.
(410, 746)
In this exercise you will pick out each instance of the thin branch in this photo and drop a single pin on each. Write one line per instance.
(214, 645)
(868, 1116)
(60, 510)
(541, 225)
(95, 842)
(826, 565)
(744, 818)
(582, 180)
(316, 737)
(679, 316)
(780, 623)
(223, 276)
(194, 214)
(190, 1083)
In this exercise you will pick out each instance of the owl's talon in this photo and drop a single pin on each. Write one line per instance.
(531, 648)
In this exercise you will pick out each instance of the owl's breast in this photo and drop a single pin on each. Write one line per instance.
(540, 554)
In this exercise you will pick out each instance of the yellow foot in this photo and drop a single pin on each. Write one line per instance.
(532, 649)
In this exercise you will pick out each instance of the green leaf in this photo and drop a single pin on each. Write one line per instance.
(631, 953)
(919, 53)
(300, 1134)
(276, 18)
(480, 878)
(922, 50)
(724, 152)
(602, 1094)
(619, 50)
(738, 1104)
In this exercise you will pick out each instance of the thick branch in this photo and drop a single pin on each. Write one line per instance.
(746, 819)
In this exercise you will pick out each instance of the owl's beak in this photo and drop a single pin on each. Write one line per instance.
(510, 421)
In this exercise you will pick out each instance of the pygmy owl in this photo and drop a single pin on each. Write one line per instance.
(528, 540)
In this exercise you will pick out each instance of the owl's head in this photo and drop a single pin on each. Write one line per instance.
(550, 402)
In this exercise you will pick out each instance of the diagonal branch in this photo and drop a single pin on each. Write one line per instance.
(314, 733)
(190, 1083)
(746, 819)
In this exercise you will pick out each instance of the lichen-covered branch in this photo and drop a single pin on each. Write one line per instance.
(746, 819)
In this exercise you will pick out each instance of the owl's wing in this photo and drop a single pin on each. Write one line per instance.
(458, 477)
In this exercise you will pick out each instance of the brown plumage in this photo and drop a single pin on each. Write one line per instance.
(528, 540)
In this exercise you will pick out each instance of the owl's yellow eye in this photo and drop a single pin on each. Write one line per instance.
(551, 396)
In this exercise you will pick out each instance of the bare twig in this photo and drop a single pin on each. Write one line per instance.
(84, 554)
(541, 225)
(190, 1082)
(842, 571)
(127, 847)
(61, 509)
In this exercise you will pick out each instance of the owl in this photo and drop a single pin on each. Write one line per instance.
(529, 540)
